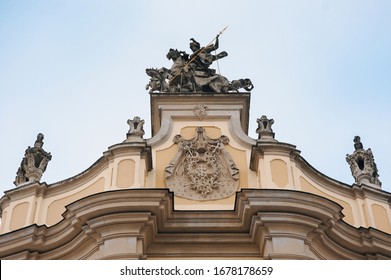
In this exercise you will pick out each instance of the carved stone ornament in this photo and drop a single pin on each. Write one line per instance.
(202, 169)
(191, 72)
(264, 129)
(33, 164)
(136, 128)
(200, 111)
(362, 164)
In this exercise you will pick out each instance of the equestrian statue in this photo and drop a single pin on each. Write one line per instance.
(192, 72)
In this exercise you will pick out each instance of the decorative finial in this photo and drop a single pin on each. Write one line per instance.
(33, 164)
(362, 165)
(264, 129)
(136, 131)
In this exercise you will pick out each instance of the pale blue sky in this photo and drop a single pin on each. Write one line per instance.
(75, 71)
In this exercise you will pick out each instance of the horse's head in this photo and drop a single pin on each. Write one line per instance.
(173, 54)
(151, 72)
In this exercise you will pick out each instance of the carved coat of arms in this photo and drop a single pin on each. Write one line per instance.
(202, 169)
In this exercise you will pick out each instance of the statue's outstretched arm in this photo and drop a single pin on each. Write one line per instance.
(213, 47)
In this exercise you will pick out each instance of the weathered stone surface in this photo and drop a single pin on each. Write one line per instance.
(192, 73)
(33, 164)
(202, 169)
(264, 129)
(362, 164)
(136, 129)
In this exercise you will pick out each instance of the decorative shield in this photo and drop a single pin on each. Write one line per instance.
(202, 169)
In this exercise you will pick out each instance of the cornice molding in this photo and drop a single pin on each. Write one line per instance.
(147, 215)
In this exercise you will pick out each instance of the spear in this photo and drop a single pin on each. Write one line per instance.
(194, 57)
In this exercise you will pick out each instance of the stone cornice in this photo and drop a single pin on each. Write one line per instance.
(149, 216)
(23, 191)
(43, 189)
(82, 177)
(131, 148)
(356, 191)
(271, 147)
(278, 148)
(231, 106)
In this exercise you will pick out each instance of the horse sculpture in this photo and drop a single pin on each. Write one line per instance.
(190, 73)
(235, 85)
(158, 81)
(179, 78)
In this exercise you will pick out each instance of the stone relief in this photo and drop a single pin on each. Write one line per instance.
(33, 164)
(192, 72)
(202, 169)
(362, 164)
(200, 111)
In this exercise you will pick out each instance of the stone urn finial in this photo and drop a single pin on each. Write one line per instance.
(136, 130)
(264, 129)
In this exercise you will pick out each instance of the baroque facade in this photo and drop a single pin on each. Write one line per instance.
(200, 187)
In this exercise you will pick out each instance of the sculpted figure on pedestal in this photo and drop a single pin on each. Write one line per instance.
(33, 164)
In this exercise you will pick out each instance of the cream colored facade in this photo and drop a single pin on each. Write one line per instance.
(120, 208)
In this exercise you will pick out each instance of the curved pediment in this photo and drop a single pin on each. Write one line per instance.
(146, 221)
